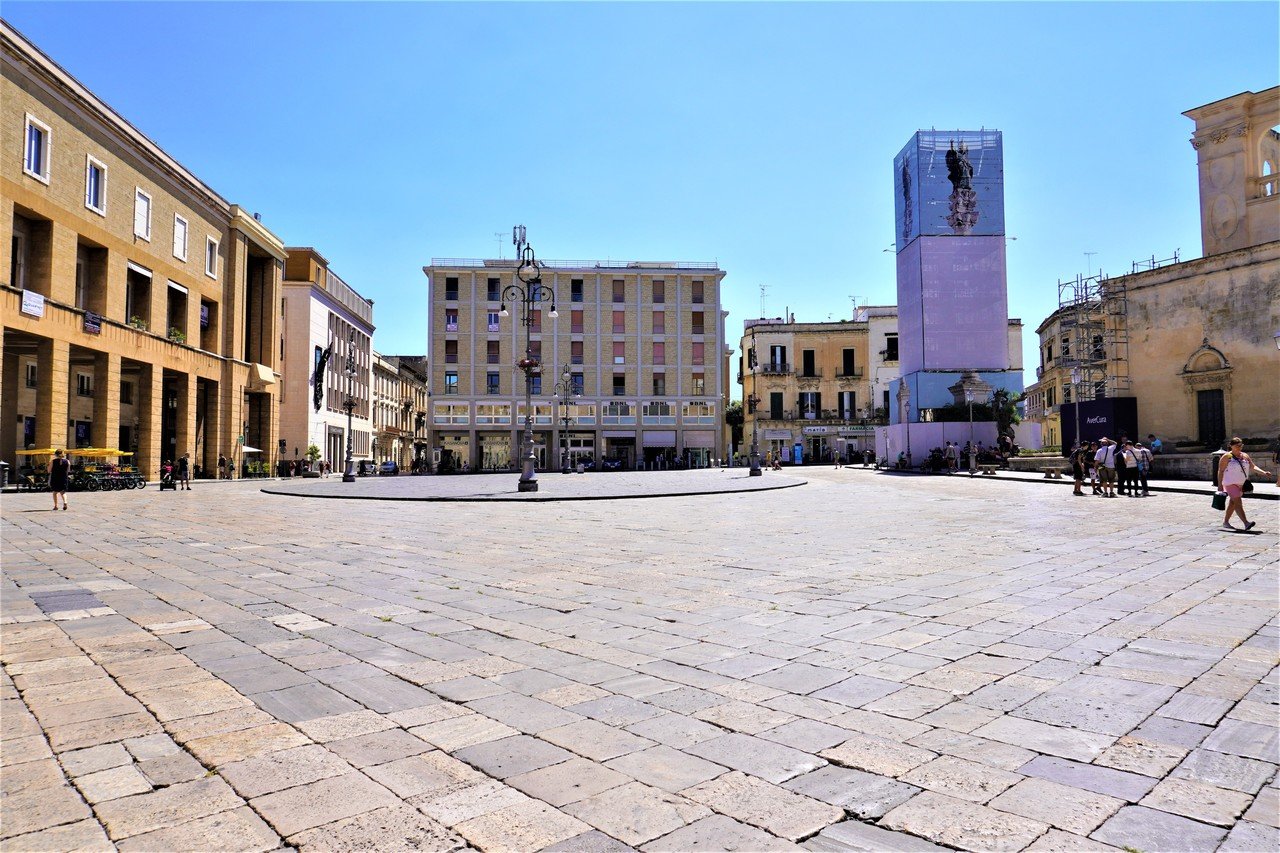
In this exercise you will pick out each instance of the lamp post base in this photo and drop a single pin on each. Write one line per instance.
(348, 478)
(755, 472)
(528, 486)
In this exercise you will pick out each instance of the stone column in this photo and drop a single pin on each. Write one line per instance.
(9, 422)
(150, 409)
(53, 377)
(186, 420)
(106, 400)
(62, 278)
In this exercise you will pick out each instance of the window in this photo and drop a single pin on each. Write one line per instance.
(619, 384)
(577, 383)
(659, 322)
(451, 319)
(575, 290)
(141, 214)
(450, 352)
(211, 257)
(697, 322)
(697, 293)
(36, 158)
(619, 352)
(619, 291)
(848, 362)
(1066, 393)
(535, 350)
(535, 384)
(807, 363)
(535, 318)
(810, 404)
(95, 185)
(493, 289)
(491, 383)
(891, 346)
(493, 352)
(847, 402)
(179, 237)
(659, 292)
(659, 353)
(31, 374)
(126, 393)
(1066, 346)
(698, 413)
(617, 413)
(659, 385)
(451, 288)
(619, 322)
(84, 384)
(494, 319)
(451, 383)
(698, 350)
(657, 413)
(698, 385)
(575, 321)
(575, 352)
(491, 413)
(451, 413)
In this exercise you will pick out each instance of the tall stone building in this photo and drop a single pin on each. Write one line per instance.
(643, 345)
(140, 308)
(329, 354)
(820, 388)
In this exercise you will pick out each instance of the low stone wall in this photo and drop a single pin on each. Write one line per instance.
(1166, 466)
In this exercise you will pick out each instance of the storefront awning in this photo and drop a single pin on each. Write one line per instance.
(659, 438)
(699, 438)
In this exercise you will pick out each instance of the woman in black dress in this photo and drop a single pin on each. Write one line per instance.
(59, 473)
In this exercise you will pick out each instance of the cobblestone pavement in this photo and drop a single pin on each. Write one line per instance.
(861, 663)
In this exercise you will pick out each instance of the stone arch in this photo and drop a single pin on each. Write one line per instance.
(1206, 359)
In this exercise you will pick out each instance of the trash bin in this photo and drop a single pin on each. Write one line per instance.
(1216, 457)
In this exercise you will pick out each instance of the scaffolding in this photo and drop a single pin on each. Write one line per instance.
(1094, 332)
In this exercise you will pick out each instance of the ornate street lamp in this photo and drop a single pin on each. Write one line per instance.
(564, 393)
(529, 293)
(349, 403)
(973, 450)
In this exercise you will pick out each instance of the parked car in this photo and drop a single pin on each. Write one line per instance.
(365, 467)
(388, 468)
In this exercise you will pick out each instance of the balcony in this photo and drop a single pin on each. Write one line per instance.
(826, 416)
(852, 374)
(809, 374)
(775, 369)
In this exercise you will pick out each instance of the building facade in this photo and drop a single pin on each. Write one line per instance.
(139, 306)
(642, 344)
(400, 410)
(814, 392)
(1188, 347)
(328, 356)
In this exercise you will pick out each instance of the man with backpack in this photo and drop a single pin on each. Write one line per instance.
(1105, 461)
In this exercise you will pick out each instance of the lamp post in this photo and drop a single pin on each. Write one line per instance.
(529, 292)
(349, 403)
(973, 450)
(564, 392)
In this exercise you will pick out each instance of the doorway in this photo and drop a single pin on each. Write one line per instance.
(1212, 416)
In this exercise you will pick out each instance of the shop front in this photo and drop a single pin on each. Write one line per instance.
(581, 448)
(775, 444)
(452, 452)
(619, 450)
(495, 451)
(659, 449)
(699, 447)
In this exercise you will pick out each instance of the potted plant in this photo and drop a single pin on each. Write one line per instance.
(313, 454)
(138, 323)
(177, 335)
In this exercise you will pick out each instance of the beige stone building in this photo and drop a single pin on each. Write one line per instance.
(400, 409)
(1193, 342)
(818, 386)
(140, 308)
(643, 344)
(328, 352)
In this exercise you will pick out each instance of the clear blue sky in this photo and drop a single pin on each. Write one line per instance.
(760, 136)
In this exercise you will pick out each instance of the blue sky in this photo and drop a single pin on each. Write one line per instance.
(757, 135)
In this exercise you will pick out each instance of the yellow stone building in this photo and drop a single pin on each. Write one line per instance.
(1195, 342)
(140, 308)
(817, 386)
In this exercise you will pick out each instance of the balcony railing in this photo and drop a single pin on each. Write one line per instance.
(852, 374)
(826, 416)
(775, 369)
(809, 374)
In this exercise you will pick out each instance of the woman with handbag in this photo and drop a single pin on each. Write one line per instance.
(1233, 473)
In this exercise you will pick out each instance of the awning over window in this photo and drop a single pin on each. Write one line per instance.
(699, 438)
(261, 377)
(659, 438)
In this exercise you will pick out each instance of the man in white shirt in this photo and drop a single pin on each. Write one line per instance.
(1105, 460)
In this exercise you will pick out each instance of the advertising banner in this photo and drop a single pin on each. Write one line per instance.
(949, 182)
(1107, 417)
(32, 303)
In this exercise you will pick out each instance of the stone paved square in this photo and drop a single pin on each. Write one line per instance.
(917, 662)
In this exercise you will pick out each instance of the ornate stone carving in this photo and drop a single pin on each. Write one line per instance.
(1197, 142)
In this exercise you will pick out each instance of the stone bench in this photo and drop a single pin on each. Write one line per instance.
(1053, 472)
(989, 469)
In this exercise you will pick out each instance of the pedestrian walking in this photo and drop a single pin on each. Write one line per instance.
(1105, 462)
(59, 475)
(1144, 466)
(184, 472)
(222, 467)
(1078, 464)
(952, 454)
(1233, 473)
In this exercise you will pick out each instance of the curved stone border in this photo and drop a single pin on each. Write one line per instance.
(535, 497)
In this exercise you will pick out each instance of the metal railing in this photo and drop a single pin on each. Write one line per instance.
(854, 374)
(776, 369)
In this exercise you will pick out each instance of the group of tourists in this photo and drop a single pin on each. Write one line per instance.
(1113, 468)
